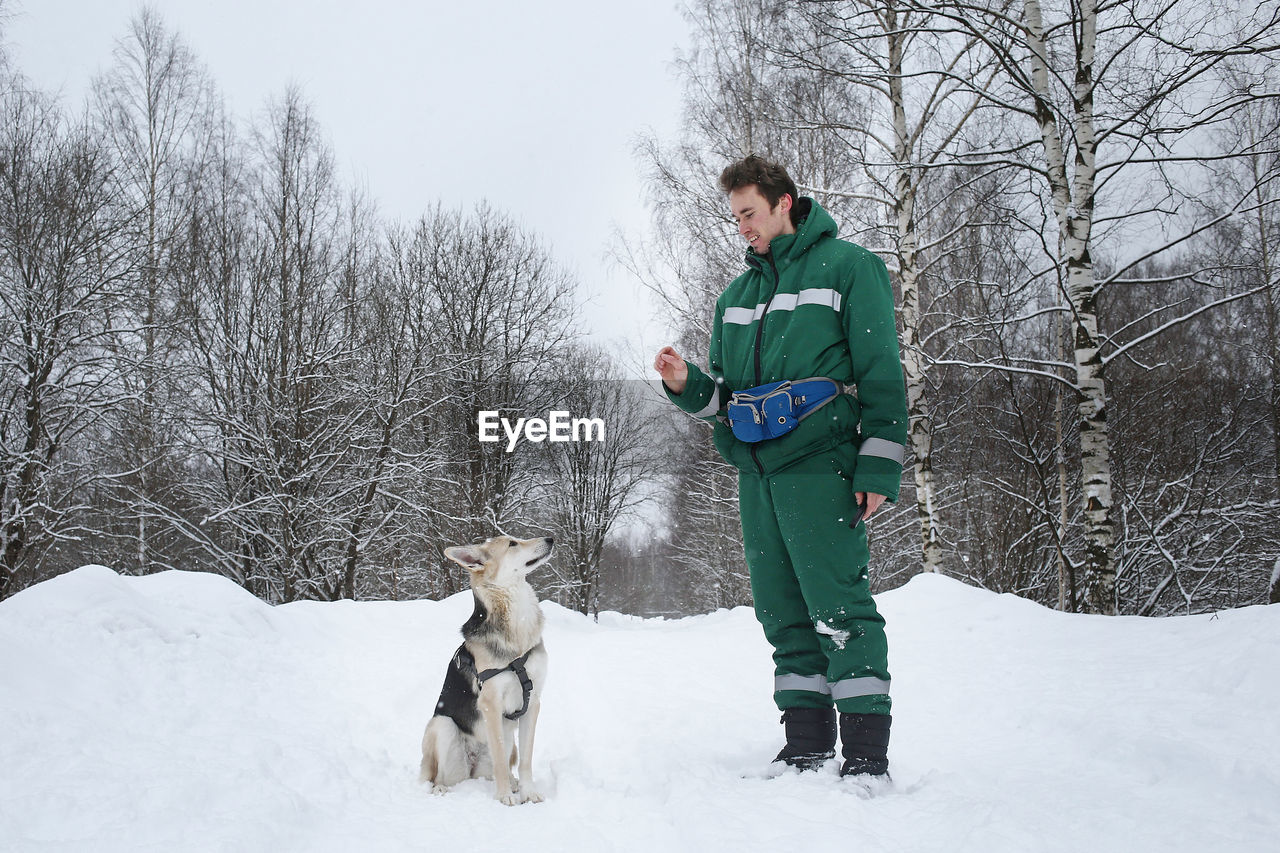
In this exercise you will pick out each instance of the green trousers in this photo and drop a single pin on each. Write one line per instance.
(810, 585)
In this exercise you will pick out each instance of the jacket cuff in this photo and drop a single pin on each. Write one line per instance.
(878, 475)
(700, 397)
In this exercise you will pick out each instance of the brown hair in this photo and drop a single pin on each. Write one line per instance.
(772, 180)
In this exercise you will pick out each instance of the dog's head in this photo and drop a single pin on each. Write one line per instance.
(501, 560)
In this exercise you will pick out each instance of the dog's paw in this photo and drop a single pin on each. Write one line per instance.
(438, 790)
(512, 799)
(532, 796)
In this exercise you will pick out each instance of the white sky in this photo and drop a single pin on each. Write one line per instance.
(534, 105)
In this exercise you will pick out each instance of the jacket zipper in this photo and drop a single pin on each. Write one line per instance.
(765, 313)
(759, 340)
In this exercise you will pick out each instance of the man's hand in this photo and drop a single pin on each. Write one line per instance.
(870, 502)
(674, 372)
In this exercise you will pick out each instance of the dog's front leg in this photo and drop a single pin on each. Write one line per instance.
(528, 723)
(499, 749)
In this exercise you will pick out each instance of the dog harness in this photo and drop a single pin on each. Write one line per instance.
(526, 684)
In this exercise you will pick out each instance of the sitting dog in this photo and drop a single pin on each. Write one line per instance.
(494, 682)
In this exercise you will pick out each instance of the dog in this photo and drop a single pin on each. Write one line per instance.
(494, 682)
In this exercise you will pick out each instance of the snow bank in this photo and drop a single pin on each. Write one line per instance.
(177, 712)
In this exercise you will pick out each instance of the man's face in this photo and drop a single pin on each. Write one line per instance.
(757, 222)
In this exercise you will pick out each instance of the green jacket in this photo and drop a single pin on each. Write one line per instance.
(814, 305)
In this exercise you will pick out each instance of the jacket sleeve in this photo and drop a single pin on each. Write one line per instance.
(704, 395)
(877, 370)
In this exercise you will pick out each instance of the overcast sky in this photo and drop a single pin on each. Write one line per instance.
(534, 105)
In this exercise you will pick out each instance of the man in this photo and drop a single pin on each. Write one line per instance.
(809, 307)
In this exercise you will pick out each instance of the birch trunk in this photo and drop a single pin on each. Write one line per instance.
(920, 425)
(1066, 575)
(1273, 340)
(1272, 319)
(1073, 202)
(1273, 352)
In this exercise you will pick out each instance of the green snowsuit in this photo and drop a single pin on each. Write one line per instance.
(813, 305)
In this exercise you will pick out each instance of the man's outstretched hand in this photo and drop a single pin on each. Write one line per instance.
(672, 369)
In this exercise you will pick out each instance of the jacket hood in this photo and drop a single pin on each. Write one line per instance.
(814, 224)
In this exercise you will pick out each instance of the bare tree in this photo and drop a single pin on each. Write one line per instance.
(1030, 169)
(594, 479)
(266, 317)
(914, 134)
(386, 393)
(404, 365)
(1131, 82)
(217, 359)
(1252, 135)
(504, 313)
(58, 279)
(153, 106)
(334, 445)
(639, 578)
(734, 96)
(1197, 514)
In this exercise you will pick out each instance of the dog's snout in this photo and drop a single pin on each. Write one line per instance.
(550, 540)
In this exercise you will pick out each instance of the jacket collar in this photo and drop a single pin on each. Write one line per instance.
(814, 224)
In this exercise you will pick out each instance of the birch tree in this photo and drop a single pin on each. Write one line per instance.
(1131, 80)
(861, 100)
(914, 134)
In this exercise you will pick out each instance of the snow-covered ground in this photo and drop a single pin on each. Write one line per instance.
(177, 713)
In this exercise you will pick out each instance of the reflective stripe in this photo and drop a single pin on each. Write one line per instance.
(813, 296)
(712, 406)
(846, 689)
(865, 686)
(784, 302)
(743, 316)
(809, 683)
(883, 448)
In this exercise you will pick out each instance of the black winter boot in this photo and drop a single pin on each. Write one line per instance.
(811, 737)
(865, 744)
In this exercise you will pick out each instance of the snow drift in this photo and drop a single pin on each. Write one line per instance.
(176, 712)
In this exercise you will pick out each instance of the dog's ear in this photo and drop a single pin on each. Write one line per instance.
(470, 557)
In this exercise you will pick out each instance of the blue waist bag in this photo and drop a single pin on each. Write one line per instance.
(772, 410)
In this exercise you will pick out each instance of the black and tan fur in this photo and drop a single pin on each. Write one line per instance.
(470, 736)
